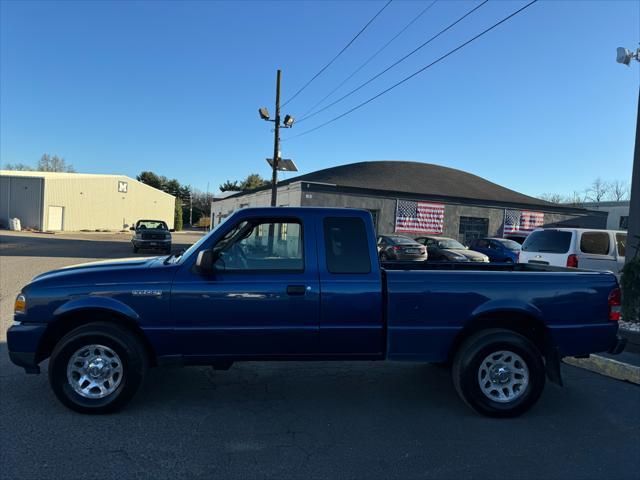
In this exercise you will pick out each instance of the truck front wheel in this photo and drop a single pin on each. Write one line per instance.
(97, 368)
(498, 373)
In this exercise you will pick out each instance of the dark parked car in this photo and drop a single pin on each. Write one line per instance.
(450, 250)
(151, 234)
(398, 247)
(497, 249)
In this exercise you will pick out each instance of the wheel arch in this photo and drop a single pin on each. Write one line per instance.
(72, 319)
(519, 321)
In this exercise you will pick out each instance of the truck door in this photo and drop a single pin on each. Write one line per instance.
(351, 306)
(262, 299)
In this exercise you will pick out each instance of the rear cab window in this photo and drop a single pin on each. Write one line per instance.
(548, 241)
(595, 243)
(346, 245)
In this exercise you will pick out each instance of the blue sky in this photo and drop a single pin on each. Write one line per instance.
(538, 104)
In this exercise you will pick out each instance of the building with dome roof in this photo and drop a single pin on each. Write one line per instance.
(417, 198)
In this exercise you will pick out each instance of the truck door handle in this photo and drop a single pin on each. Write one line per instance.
(296, 289)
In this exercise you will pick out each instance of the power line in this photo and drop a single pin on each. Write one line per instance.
(419, 47)
(366, 62)
(417, 72)
(339, 53)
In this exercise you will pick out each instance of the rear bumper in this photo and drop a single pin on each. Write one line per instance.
(618, 346)
(22, 342)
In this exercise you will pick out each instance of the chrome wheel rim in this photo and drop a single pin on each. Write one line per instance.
(503, 376)
(94, 371)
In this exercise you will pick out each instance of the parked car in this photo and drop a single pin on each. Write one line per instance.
(450, 250)
(591, 249)
(497, 249)
(306, 283)
(151, 234)
(398, 247)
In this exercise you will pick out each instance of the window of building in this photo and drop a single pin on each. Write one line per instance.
(264, 246)
(621, 240)
(472, 227)
(346, 245)
(624, 222)
(596, 243)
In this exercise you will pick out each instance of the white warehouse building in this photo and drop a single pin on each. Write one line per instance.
(52, 201)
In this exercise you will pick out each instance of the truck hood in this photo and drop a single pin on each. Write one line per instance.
(102, 265)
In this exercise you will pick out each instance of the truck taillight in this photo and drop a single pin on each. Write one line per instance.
(572, 261)
(615, 302)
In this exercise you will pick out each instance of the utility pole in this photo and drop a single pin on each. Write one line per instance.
(190, 208)
(288, 123)
(276, 144)
(625, 57)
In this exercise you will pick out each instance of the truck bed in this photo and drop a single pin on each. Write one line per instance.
(429, 304)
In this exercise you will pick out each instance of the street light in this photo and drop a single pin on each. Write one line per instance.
(287, 123)
(624, 55)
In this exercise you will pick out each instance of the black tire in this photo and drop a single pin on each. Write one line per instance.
(123, 342)
(466, 368)
(135, 249)
(384, 257)
(167, 251)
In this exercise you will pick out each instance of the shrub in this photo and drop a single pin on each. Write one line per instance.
(631, 291)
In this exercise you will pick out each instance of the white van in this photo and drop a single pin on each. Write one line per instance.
(576, 247)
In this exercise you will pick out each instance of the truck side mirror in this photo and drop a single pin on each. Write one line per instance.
(132, 228)
(204, 262)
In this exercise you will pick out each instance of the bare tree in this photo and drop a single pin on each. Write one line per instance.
(576, 199)
(552, 197)
(18, 166)
(619, 190)
(598, 190)
(54, 163)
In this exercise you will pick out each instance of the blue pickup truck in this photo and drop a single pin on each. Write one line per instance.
(306, 284)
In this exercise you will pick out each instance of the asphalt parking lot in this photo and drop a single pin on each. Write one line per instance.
(297, 420)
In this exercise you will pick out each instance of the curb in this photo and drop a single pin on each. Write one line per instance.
(607, 367)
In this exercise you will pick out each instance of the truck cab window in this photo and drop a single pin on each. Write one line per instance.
(264, 246)
(346, 245)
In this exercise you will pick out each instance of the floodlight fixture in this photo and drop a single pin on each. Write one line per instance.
(624, 55)
(288, 121)
(264, 113)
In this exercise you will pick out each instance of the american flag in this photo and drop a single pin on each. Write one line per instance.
(420, 217)
(516, 221)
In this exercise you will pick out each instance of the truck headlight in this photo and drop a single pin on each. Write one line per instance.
(167, 236)
(20, 305)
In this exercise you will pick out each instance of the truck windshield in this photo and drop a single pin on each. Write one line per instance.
(547, 241)
(196, 245)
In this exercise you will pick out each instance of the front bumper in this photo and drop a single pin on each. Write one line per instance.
(23, 341)
(619, 346)
(151, 243)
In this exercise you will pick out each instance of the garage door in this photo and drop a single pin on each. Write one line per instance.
(54, 222)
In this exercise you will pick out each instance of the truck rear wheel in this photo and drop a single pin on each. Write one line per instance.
(97, 368)
(498, 373)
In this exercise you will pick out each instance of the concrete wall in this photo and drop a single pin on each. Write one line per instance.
(288, 196)
(385, 208)
(386, 211)
(615, 210)
(21, 197)
(94, 202)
